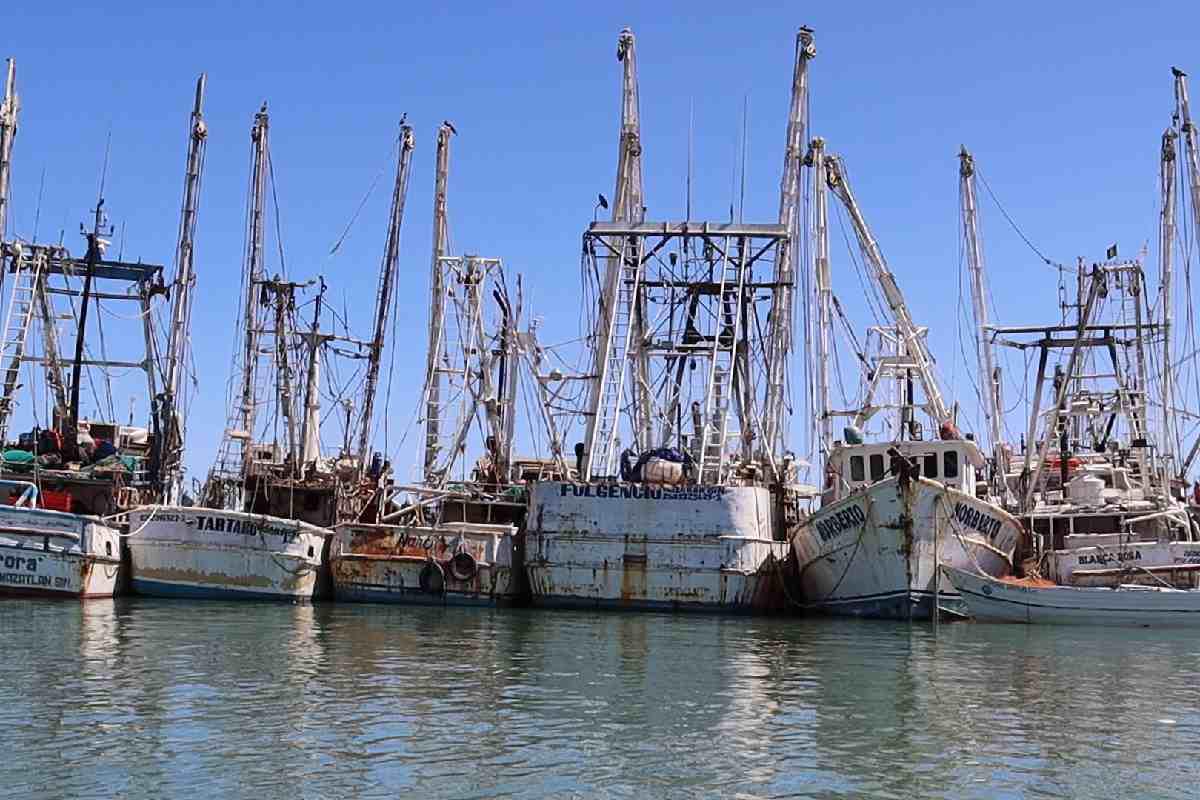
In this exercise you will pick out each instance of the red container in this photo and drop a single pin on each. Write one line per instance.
(56, 500)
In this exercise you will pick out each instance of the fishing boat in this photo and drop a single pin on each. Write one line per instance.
(1043, 602)
(683, 490)
(453, 538)
(265, 513)
(890, 510)
(1099, 479)
(67, 480)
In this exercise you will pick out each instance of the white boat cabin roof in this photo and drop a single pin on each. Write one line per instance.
(851, 467)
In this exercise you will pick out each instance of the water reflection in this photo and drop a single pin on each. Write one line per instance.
(146, 698)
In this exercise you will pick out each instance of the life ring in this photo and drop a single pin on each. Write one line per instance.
(432, 579)
(463, 566)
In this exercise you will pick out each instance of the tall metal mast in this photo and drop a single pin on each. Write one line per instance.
(908, 332)
(824, 291)
(1166, 244)
(231, 460)
(989, 384)
(8, 134)
(783, 296)
(437, 347)
(387, 280)
(629, 206)
(1191, 154)
(310, 430)
(171, 429)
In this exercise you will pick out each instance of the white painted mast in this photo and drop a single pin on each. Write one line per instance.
(9, 108)
(1166, 268)
(783, 295)
(1191, 154)
(985, 353)
(387, 281)
(824, 292)
(239, 431)
(628, 206)
(172, 428)
(437, 309)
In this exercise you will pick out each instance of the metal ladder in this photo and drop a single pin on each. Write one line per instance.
(718, 399)
(16, 329)
(612, 381)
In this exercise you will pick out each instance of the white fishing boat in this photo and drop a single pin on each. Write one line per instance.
(219, 554)
(873, 547)
(266, 511)
(50, 553)
(683, 490)
(648, 547)
(990, 600)
(67, 480)
(890, 509)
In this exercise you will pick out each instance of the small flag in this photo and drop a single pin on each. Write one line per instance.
(1111, 253)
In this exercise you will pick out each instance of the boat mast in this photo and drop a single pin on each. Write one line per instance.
(824, 291)
(387, 280)
(8, 134)
(437, 307)
(95, 250)
(782, 296)
(909, 334)
(984, 351)
(310, 430)
(628, 206)
(1191, 153)
(239, 432)
(1166, 243)
(171, 429)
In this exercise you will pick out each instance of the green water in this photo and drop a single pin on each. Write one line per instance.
(147, 699)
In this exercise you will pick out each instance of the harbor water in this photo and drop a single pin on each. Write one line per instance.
(138, 698)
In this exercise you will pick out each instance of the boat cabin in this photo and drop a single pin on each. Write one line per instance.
(852, 467)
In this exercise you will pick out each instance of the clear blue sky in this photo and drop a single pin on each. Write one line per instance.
(1062, 103)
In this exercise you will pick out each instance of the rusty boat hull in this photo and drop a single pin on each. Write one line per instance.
(45, 553)
(875, 553)
(640, 547)
(207, 553)
(454, 564)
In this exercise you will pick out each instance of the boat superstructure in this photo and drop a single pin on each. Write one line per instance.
(682, 488)
(68, 478)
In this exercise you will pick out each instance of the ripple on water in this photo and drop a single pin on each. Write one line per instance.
(140, 699)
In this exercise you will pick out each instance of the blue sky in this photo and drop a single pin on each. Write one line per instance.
(1062, 104)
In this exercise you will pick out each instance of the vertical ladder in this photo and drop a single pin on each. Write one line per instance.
(615, 362)
(718, 398)
(16, 328)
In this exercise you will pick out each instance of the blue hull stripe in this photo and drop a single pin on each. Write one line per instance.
(151, 588)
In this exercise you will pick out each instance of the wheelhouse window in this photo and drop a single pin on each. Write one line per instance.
(857, 472)
(877, 470)
(950, 464)
(930, 467)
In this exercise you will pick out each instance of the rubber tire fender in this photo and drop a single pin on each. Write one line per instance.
(432, 579)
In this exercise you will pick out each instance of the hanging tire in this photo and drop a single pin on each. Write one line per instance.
(463, 567)
(432, 579)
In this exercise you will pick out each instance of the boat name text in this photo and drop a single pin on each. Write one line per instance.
(977, 520)
(839, 523)
(638, 491)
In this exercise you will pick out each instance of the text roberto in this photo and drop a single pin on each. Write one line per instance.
(839, 523)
